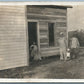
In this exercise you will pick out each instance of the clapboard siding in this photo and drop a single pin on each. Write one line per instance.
(12, 37)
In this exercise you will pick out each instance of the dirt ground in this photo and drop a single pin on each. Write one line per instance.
(50, 67)
(73, 69)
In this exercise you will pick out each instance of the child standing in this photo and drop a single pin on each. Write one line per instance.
(68, 54)
(34, 52)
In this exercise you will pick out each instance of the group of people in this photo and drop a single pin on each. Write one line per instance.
(65, 51)
(71, 51)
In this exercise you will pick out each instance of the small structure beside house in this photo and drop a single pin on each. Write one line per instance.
(22, 25)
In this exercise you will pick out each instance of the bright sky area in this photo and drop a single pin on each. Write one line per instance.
(76, 17)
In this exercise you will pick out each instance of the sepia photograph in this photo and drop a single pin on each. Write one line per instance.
(42, 40)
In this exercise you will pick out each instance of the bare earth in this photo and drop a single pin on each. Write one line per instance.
(73, 69)
(50, 67)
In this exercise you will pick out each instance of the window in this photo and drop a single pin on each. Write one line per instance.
(51, 34)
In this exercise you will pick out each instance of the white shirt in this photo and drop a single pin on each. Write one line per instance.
(74, 42)
(62, 43)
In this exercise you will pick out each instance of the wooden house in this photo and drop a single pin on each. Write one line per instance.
(21, 25)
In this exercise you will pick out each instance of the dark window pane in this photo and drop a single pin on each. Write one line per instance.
(51, 34)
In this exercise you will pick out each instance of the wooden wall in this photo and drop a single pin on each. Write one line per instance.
(13, 40)
(43, 15)
(12, 37)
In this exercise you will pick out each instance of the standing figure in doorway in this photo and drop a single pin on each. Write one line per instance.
(34, 52)
(62, 46)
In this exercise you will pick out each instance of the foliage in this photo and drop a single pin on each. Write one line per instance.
(79, 35)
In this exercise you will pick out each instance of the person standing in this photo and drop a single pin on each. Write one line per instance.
(34, 52)
(74, 45)
(62, 46)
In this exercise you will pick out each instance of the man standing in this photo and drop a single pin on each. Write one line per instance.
(74, 44)
(62, 46)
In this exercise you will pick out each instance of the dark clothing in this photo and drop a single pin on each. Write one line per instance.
(74, 45)
(74, 53)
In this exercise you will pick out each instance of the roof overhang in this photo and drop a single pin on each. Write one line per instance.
(52, 6)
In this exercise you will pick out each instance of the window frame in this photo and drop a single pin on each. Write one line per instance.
(53, 34)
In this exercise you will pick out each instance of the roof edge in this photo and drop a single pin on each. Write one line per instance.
(52, 6)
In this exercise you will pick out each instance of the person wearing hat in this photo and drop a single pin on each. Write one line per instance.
(62, 46)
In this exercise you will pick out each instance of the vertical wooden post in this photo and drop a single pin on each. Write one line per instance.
(67, 28)
(27, 40)
(38, 36)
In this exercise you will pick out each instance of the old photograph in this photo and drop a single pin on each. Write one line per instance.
(43, 40)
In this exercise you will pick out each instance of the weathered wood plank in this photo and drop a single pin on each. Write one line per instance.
(46, 11)
(44, 46)
(61, 24)
(43, 36)
(45, 40)
(60, 20)
(50, 48)
(44, 17)
(43, 31)
(49, 51)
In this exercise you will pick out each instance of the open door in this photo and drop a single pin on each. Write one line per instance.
(32, 34)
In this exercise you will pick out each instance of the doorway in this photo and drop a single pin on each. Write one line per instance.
(32, 34)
